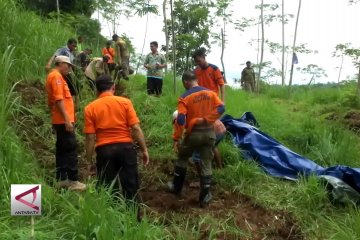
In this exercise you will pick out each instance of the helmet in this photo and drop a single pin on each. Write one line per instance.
(175, 114)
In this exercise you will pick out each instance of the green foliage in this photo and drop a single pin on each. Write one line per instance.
(314, 71)
(192, 29)
(83, 26)
(111, 10)
(44, 7)
(34, 40)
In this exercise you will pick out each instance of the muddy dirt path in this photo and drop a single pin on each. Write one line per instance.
(242, 210)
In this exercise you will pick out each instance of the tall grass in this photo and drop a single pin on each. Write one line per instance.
(34, 39)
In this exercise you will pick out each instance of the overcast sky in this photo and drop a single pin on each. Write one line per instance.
(322, 25)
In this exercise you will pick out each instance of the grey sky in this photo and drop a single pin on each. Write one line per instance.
(322, 25)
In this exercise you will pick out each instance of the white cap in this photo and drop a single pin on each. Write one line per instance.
(175, 114)
(63, 59)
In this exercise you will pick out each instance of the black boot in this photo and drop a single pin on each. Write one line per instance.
(205, 195)
(176, 185)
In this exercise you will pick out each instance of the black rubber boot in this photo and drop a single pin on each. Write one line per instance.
(177, 184)
(205, 195)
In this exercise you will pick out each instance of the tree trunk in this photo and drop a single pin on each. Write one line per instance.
(113, 23)
(143, 46)
(358, 87)
(222, 50)
(340, 70)
(173, 45)
(58, 10)
(166, 34)
(187, 59)
(311, 80)
(294, 43)
(98, 17)
(283, 45)
(262, 46)
(258, 42)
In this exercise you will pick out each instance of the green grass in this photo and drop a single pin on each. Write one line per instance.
(34, 40)
(294, 118)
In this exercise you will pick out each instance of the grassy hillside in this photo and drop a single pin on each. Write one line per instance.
(34, 40)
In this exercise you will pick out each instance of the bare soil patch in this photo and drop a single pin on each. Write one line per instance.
(242, 210)
(352, 120)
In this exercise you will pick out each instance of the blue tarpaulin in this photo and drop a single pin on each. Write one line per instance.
(276, 159)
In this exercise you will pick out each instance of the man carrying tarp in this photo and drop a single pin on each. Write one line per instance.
(96, 68)
(62, 110)
(198, 109)
(248, 78)
(122, 57)
(111, 125)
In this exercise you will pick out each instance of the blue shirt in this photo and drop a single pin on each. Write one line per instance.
(65, 51)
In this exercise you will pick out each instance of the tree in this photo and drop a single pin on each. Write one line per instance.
(262, 44)
(44, 7)
(222, 6)
(173, 43)
(112, 10)
(82, 25)
(294, 44)
(283, 43)
(314, 71)
(340, 53)
(354, 54)
(265, 19)
(353, 1)
(191, 25)
(277, 48)
(166, 31)
(268, 72)
(144, 9)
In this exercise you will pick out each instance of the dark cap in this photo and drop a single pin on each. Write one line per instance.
(115, 37)
(104, 83)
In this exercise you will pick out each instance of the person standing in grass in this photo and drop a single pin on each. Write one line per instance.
(62, 110)
(111, 125)
(154, 63)
(198, 109)
(109, 51)
(80, 45)
(209, 76)
(248, 78)
(67, 51)
(122, 57)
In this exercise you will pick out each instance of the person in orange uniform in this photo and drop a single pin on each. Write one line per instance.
(198, 109)
(209, 76)
(110, 52)
(111, 124)
(61, 106)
